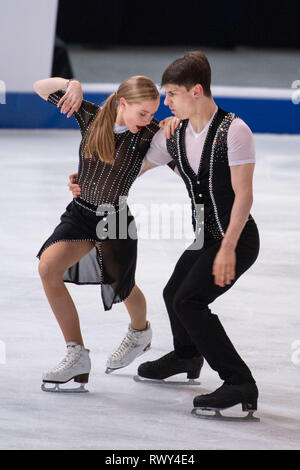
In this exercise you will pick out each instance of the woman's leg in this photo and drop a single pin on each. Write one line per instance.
(53, 263)
(114, 255)
(138, 337)
(137, 308)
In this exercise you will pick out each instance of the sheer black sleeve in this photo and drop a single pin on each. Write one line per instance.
(84, 115)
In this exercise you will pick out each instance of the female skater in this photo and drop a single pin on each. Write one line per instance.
(91, 244)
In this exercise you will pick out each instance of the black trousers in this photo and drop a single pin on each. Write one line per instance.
(191, 288)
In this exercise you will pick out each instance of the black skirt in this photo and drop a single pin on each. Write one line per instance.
(112, 263)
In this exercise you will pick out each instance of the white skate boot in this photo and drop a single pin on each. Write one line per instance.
(76, 365)
(134, 344)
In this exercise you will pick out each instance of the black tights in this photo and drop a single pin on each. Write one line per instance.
(191, 288)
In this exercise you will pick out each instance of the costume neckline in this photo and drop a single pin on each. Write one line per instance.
(197, 134)
(119, 129)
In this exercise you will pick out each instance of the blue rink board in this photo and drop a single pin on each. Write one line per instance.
(264, 115)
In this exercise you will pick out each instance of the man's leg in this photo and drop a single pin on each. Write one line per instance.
(183, 343)
(186, 358)
(204, 328)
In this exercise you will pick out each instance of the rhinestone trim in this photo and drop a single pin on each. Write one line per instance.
(220, 134)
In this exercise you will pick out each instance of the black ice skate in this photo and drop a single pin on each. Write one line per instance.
(169, 365)
(225, 397)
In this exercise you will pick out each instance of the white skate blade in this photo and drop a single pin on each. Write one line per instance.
(57, 389)
(109, 370)
(137, 378)
(199, 412)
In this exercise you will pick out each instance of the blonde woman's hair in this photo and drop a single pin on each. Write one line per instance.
(100, 139)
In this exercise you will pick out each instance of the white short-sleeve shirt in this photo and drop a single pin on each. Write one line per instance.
(240, 145)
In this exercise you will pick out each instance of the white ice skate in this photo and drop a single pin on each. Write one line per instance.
(76, 365)
(134, 344)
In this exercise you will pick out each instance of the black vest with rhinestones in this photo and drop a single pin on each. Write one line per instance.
(211, 186)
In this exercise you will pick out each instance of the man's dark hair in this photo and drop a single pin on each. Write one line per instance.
(189, 70)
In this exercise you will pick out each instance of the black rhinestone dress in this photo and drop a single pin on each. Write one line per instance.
(112, 263)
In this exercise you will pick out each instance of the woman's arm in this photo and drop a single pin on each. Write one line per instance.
(70, 101)
(45, 87)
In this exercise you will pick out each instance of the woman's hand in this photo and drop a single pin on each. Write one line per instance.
(169, 125)
(72, 99)
(73, 186)
(224, 266)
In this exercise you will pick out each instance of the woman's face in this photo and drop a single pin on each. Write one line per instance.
(136, 115)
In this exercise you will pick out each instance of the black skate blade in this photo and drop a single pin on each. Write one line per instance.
(199, 412)
(137, 378)
(57, 389)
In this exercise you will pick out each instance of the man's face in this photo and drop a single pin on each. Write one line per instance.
(180, 100)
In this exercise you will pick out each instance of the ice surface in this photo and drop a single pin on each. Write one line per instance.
(260, 314)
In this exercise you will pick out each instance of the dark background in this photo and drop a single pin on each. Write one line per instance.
(221, 24)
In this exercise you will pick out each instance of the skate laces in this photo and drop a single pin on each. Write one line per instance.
(128, 342)
(71, 358)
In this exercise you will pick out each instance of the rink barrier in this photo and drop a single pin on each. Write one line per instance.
(265, 110)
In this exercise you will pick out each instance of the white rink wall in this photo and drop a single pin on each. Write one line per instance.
(27, 33)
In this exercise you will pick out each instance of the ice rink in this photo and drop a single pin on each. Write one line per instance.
(260, 313)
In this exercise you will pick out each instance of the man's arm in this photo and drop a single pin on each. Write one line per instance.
(173, 167)
(225, 260)
(241, 181)
(147, 166)
(158, 154)
(73, 186)
(241, 157)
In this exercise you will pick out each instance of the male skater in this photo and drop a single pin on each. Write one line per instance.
(214, 153)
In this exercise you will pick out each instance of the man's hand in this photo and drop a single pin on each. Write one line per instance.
(169, 125)
(224, 266)
(73, 186)
(72, 99)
